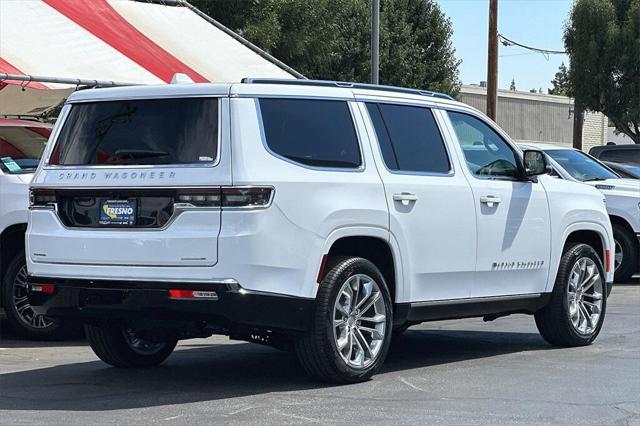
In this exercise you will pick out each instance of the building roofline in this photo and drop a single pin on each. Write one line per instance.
(540, 97)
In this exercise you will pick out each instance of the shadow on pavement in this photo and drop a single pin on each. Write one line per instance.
(213, 372)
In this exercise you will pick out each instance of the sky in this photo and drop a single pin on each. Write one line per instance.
(537, 23)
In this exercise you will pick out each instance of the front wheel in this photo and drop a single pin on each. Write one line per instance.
(575, 314)
(119, 346)
(351, 328)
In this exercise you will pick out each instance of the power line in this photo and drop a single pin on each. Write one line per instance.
(545, 52)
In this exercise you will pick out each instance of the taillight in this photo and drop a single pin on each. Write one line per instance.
(246, 197)
(42, 198)
(235, 197)
(43, 288)
(193, 294)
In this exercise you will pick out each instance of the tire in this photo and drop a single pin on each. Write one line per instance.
(627, 243)
(318, 350)
(556, 321)
(17, 299)
(116, 346)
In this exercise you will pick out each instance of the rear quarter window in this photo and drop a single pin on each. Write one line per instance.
(317, 133)
(132, 132)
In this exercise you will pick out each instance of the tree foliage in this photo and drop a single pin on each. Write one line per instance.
(561, 83)
(330, 39)
(603, 41)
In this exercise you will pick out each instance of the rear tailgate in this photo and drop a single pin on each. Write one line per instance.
(115, 190)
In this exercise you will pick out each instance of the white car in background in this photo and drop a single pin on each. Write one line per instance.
(21, 145)
(623, 200)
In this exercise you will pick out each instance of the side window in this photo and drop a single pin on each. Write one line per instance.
(486, 153)
(620, 156)
(313, 132)
(409, 138)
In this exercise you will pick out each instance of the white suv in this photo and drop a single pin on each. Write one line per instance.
(317, 216)
(622, 195)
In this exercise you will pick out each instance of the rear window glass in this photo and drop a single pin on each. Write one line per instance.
(21, 148)
(313, 132)
(621, 155)
(150, 131)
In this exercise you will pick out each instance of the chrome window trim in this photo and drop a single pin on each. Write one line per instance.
(199, 165)
(263, 137)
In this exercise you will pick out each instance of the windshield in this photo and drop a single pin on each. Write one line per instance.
(133, 132)
(21, 148)
(580, 166)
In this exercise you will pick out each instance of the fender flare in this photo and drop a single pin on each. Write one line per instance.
(373, 232)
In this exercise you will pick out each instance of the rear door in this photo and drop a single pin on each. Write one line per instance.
(514, 229)
(431, 207)
(133, 182)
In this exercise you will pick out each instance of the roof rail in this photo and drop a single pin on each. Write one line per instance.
(348, 85)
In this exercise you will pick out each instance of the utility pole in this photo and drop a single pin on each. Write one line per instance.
(492, 61)
(578, 113)
(375, 41)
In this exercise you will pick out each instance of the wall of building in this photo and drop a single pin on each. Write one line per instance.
(534, 117)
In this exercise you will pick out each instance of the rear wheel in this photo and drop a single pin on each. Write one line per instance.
(575, 314)
(119, 346)
(18, 300)
(351, 329)
(626, 254)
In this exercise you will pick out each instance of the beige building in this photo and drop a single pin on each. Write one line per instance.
(536, 117)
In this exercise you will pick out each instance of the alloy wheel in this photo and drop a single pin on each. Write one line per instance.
(585, 295)
(22, 302)
(359, 321)
(141, 346)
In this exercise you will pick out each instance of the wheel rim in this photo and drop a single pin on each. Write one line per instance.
(359, 321)
(618, 255)
(22, 302)
(141, 346)
(584, 296)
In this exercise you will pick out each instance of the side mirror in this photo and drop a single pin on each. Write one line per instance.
(535, 163)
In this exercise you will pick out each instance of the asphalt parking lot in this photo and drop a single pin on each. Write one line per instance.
(451, 372)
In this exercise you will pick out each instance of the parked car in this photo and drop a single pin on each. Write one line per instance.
(623, 201)
(629, 153)
(21, 145)
(624, 170)
(316, 216)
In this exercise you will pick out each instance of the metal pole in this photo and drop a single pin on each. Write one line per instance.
(492, 61)
(61, 80)
(375, 41)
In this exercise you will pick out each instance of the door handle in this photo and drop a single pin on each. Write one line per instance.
(490, 200)
(405, 197)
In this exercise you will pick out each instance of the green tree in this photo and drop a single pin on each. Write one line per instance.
(561, 83)
(330, 39)
(603, 41)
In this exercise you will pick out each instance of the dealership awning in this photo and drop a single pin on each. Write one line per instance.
(117, 40)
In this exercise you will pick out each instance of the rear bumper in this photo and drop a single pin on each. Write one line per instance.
(100, 300)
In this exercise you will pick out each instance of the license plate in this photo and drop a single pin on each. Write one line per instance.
(118, 212)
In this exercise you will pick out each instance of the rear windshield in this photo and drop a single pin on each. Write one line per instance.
(130, 132)
(21, 148)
